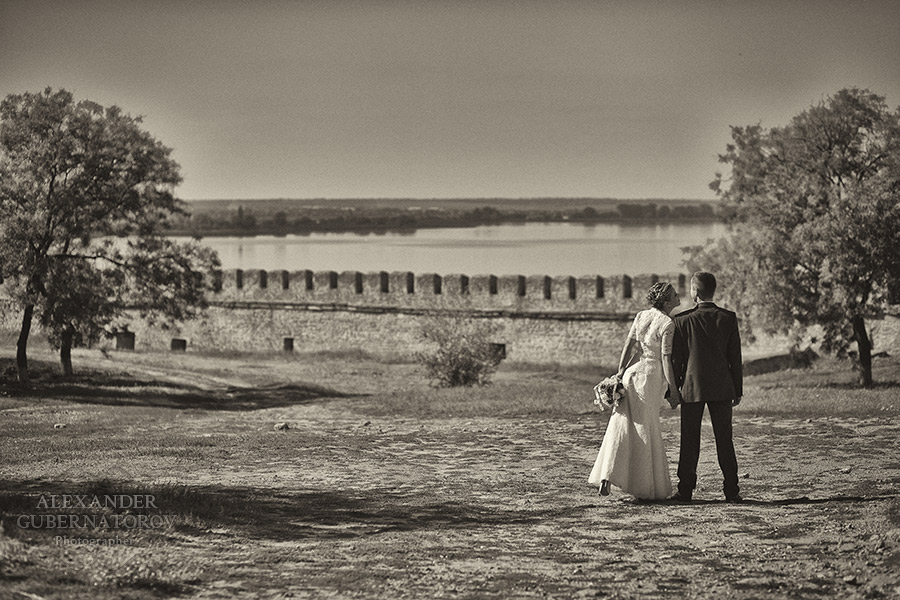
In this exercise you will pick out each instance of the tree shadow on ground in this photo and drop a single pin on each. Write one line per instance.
(832, 374)
(283, 515)
(180, 396)
(801, 500)
(841, 385)
(121, 390)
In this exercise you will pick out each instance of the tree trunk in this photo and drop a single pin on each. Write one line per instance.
(65, 352)
(22, 345)
(864, 347)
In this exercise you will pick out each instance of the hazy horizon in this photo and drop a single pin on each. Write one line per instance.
(440, 100)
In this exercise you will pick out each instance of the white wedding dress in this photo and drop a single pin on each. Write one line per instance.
(633, 455)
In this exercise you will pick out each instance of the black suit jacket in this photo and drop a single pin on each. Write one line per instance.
(707, 354)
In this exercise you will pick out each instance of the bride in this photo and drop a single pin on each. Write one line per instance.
(632, 455)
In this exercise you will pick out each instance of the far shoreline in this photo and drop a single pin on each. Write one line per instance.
(367, 230)
(282, 217)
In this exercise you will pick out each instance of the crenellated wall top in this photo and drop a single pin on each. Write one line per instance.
(620, 293)
(400, 288)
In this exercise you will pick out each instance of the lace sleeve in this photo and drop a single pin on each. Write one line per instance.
(633, 332)
(668, 334)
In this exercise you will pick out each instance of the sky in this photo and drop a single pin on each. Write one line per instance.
(450, 99)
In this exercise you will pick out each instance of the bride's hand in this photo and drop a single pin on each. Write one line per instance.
(674, 397)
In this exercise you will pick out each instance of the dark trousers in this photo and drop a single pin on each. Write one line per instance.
(691, 418)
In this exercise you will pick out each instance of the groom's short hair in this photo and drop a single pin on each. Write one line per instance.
(705, 284)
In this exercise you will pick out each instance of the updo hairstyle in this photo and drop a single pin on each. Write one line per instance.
(659, 294)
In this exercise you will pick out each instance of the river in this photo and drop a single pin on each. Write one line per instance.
(520, 249)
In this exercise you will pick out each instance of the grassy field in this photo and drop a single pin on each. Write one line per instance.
(381, 486)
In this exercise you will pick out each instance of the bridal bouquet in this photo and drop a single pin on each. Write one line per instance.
(609, 392)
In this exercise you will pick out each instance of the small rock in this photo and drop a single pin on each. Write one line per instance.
(745, 475)
(849, 579)
(282, 426)
(578, 571)
(846, 470)
(59, 426)
(367, 423)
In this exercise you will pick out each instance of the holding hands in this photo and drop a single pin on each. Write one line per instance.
(674, 397)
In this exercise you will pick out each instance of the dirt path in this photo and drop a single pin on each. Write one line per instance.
(344, 504)
(500, 508)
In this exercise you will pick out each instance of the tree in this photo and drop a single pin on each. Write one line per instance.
(280, 220)
(79, 304)
(816, 221)
(245, 220)
(588, 214)
(84, 192)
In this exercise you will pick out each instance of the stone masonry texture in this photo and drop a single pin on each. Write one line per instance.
(539, 319)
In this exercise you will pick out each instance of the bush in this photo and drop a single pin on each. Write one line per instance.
(464, 355)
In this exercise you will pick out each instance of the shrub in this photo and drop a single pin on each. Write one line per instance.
(464, 355)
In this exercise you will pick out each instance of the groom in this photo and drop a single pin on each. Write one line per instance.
(707, 358)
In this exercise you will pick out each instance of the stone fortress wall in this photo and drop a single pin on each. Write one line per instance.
(539, 319)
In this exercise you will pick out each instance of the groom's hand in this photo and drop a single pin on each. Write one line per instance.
(736, 401)
(674, 398)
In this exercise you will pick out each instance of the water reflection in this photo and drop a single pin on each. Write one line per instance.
(528, 248)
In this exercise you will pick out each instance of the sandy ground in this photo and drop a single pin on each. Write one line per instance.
(343, 505)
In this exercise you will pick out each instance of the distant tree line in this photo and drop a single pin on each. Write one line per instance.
(245, 220)
(666, 212)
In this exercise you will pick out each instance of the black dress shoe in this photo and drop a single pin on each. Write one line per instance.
(734, 499)
(604, 487)
(679, 497)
